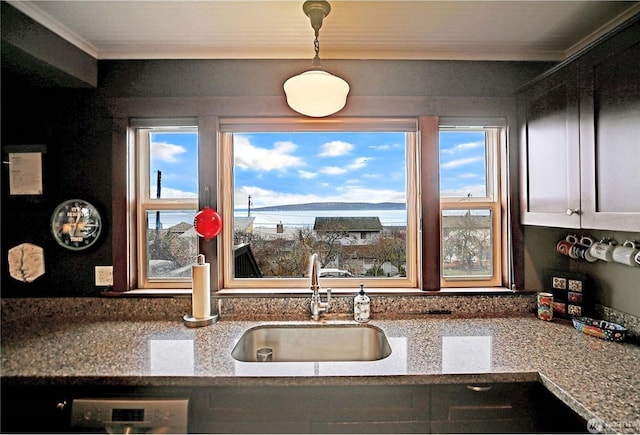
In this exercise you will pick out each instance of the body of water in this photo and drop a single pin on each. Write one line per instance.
(304, 218)
(301, 218)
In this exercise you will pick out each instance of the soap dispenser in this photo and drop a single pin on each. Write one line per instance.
(361, 306)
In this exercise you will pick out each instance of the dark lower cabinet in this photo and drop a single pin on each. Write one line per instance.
(442, 408)
(552, 415)
(35, 410)
(482, 408)
(311, 409)
(500, 408)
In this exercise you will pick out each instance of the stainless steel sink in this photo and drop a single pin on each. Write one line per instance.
(301, 342)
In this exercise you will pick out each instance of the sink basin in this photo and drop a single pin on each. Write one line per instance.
(297, 343)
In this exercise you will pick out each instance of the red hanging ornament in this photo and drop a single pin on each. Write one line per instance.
(207, 223)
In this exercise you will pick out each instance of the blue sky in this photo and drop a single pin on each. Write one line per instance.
(462, 163)
(176, 156)
(294, 168)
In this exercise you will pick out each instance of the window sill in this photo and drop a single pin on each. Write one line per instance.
(274, 293)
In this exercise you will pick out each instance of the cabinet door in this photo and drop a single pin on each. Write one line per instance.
(35, 409)
(493, 408)
(610, 133)
(550, 151)
(308, 409)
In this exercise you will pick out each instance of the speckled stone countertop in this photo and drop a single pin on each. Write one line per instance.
(596, 378)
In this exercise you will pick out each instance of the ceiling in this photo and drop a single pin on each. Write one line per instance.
(261, 29)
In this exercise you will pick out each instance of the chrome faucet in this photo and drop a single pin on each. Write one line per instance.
(317, 306)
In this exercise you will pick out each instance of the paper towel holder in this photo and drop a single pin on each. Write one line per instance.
(202, 315)
(192, 322)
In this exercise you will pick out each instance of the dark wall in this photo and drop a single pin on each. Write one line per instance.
(257, 78)
(77, 164)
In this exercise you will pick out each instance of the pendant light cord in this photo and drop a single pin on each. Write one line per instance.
(316, 47)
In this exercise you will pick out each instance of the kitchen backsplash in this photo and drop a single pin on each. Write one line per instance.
(291, 308)
(271, 308)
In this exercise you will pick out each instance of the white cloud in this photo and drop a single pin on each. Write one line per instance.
(373, 175)
(468, 175)
(166, 152)
(385, 147)
(332, 170)
(306, 174)
(363, 194)
(264, 197)
(463, 147)
(280, 157)
(168, 192)
(460, 162)
(336, 148)
(476, 190)
(358, 163)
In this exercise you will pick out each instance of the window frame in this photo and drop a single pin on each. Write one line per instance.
(493, 201)
(228, 126)
(141, 131)
(124, 218)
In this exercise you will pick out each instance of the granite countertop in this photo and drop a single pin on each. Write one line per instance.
(596, 378)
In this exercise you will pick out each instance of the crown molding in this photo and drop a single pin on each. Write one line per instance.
(54, 25)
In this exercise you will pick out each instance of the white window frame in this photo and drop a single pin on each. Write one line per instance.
(493, 201)
(227, 279)
(144, 202)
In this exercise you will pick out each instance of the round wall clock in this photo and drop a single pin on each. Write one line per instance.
(76, 224)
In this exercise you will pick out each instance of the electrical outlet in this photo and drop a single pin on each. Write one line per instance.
(104, 276)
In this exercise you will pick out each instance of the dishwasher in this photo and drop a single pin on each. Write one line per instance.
(130, 416)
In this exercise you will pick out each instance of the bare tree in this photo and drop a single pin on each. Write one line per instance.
(329, 243)
(468, 238)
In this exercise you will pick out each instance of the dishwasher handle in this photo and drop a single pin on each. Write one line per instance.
(119, 428)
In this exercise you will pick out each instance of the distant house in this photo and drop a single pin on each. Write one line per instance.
(180, 228)
(358, 230)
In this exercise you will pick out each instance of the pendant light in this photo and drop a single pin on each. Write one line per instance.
(316, 92)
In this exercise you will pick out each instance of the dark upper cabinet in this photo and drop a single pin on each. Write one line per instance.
(580, 140)
(609, 78)
(550, 151)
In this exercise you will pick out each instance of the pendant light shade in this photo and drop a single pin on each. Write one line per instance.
(316, 92)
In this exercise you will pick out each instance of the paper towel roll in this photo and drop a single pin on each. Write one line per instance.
(201, 291)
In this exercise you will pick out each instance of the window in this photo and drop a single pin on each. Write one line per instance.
(345, 190)
(361, 193)
(470, 206)
(167, 186)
